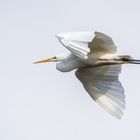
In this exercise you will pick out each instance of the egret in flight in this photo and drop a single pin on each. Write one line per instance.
(94, 56)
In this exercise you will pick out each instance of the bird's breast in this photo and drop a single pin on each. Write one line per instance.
(69, 64)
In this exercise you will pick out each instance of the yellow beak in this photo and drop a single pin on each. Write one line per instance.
(53, 59)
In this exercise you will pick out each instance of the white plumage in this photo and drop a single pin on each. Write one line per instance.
(103, 86)
(98, 67)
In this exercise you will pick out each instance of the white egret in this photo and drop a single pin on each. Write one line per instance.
(98, 65)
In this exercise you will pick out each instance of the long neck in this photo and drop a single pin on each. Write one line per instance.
(70, 63)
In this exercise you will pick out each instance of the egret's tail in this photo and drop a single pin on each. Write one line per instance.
(127, 59)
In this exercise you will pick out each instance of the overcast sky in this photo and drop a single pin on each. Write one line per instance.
(37, 102)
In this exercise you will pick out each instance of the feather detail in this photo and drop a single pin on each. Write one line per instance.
(103, 86)
(83, 43)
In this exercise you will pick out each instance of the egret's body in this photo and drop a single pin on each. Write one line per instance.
(98, 65)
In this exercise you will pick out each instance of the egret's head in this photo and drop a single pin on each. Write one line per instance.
(53, 59)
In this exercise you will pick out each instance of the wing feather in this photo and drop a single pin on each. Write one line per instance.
(104, 87)
(83, 43)
(102, 43)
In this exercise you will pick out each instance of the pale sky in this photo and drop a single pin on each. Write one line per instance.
(37, 102)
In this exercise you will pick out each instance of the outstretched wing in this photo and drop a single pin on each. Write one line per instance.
(83, 43)
(104, 87)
